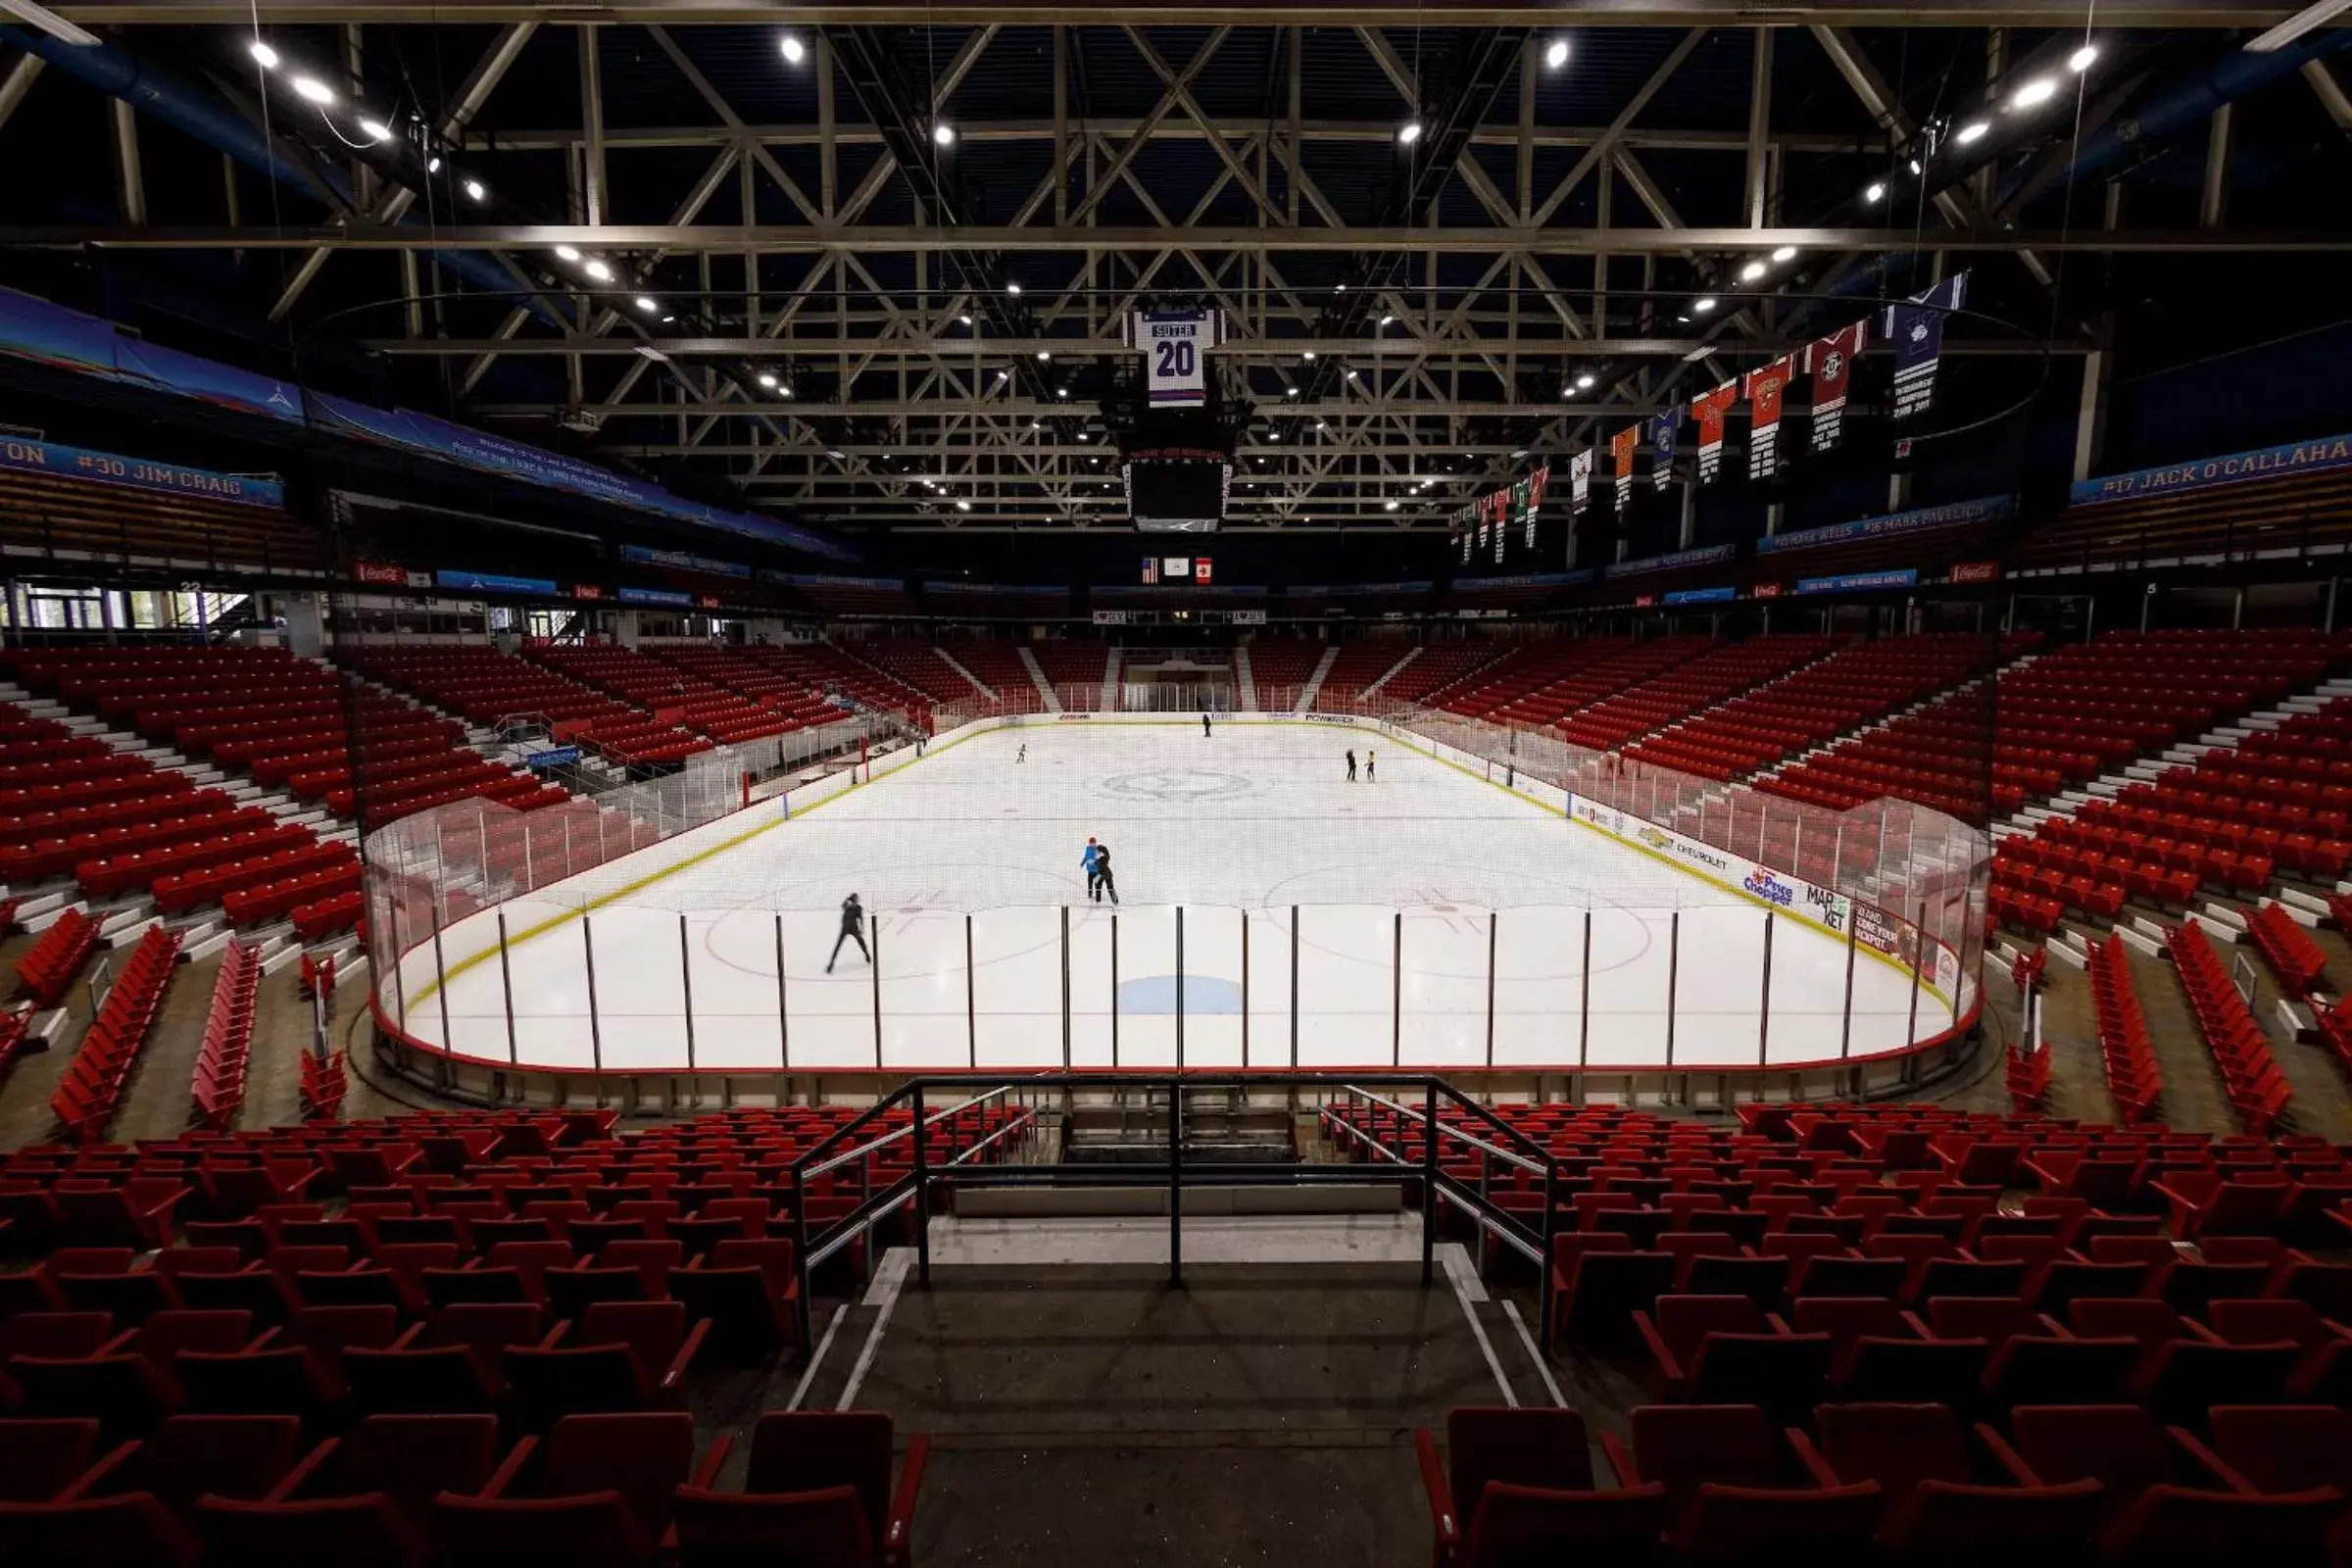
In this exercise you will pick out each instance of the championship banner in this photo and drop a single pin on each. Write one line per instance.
(1916, 330)
(1763, 388)
(1830, 362)
(1621, 451)
(1483, 522)
(1175, 345)
(1497, 507)
(1528, 497)
(1662, 430)
(1710, 410)
(1579, 483)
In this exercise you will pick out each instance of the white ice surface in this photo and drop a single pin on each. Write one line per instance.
(1240, 830)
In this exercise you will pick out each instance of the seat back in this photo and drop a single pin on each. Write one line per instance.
(38, 1458)
(1684, 1447)
(1530, 1447)
(821, 1529)
(1782, 1372)
(1516, 1525)
(131, 1531)
(1964, 1525)
(1746, 1525)
(585, 1529)
(805, 1450)
(2183, 1524)
(1897, 1445)
(363, 1532)
(410, 1458)
(2286, 1448)
(640, 1457)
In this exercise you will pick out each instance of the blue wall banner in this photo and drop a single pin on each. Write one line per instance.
(1859, 582)
(2238, 468)
(491, 582)
(558, 756)
(49, 335)
(1473, 585)
(1706, 556)
(657, 596)
(1952, 514)
(682, 561)
(138, 473)
(1701, 596)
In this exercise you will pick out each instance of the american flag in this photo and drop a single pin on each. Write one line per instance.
(1151, 571)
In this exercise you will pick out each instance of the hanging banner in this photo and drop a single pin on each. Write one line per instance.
(1175, 346)
(1527, 497)
(1920, 519)
(29, 456)
(1621, 453)
(1830, 362)
(1709, 409)
(1663, 428)
(1763, 387)
(2315, 455)
(1579, 483)
(683, 561)
(1916, 330)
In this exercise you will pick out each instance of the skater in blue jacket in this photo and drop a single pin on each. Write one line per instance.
(1094, 852)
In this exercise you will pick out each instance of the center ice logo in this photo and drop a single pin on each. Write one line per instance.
(1771, 889)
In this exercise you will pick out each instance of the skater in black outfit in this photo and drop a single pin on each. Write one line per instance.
(1351, 766)
(1204, 726)
(852, 929)
(1102, 882)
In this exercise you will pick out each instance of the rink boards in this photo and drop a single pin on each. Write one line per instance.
(611, 971)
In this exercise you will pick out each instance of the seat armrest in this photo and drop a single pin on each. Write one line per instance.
(705, 1468)
(1917, 1325)
(1816, 1463)
(509, 1470)
(408, 1337)
(1668, 1366)
(2007, 1457)
(1621, 1459)
(1439, 1491)
(309, 1468)
(895, 1539)
(92, 1482)
(673, 1379)
(2211, 1462)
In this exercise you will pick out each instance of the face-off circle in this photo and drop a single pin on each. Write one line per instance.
(1179, 784)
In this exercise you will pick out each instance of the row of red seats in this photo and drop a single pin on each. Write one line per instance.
(182, 819)
(323, 918)
(2249, 1075)
(277, 900)
(322, 1084)
(621, 1489)
(1909, 1482)
(485, 686)
(2120, 834)
(212, 884)
(2133, 1079)
(664, 689)
(2287, 947)
(49, 967)
(87, 1097)
(112, 875)
(1704, 681)
(216, 1088)
(60, 812)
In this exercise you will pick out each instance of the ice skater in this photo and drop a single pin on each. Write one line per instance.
(1090, 860)
(1370, 758)
(1102, 882)
(1023, 754)
(852, 929)
(1352, 765)
(1204, 726)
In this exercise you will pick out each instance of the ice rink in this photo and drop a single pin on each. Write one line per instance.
(1422, 916)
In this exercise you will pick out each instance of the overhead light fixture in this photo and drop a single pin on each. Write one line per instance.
(2083, 58)
(1876, 192)
(1061, 391)
(1703, 306)
(1274, 435)
(966, 319)
(1517, 454)
(375, 131)
(1584, 383)
(600, 271)
(1556, 55)
(1390, 505)
(963, 505)
(1342, 288)
(1388, 320)
(1083, 437)
(1044, 354)
(478, 191)
(2040, 90)
(1915, 166)
(1971, 131)
(785, 390)
(835, 456)
(1309, 356)
(943, 134)
(1751, 271)
(1787, 253)
(1321, 425)
(263, 55)
(311, 90)
(794, 51)
(566, 253)
(1290, 391)
(768, 380)
(1351, 375)
(2296, 26)
(1003, 376)
(432, 164)
(1012, 289)
(648, 305)
(1410, 132)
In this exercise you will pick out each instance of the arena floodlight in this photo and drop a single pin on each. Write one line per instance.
(2082, 59)
(263, 55)
(794, 51)
(1556, 55)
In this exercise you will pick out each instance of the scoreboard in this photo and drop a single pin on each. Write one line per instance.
(1177, 490)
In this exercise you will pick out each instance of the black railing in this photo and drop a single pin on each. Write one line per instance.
(1386, 1113)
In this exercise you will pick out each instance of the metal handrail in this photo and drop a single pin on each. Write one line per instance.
(914, 1186)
